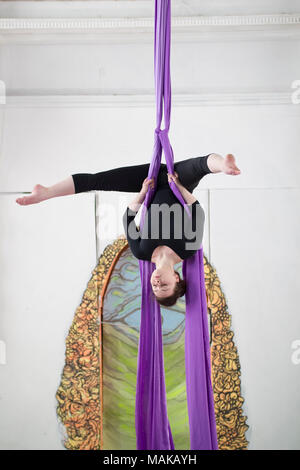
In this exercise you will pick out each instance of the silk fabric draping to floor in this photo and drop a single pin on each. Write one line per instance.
(153, 430)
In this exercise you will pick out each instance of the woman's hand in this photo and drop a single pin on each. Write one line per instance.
(187, 196)
(139, 199)
(146, 183)
(174, 178)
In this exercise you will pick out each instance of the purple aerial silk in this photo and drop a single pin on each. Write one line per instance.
(153, 430)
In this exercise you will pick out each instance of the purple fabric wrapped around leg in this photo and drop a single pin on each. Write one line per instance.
(153, 430)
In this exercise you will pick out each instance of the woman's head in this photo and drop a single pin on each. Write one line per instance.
(167, 286)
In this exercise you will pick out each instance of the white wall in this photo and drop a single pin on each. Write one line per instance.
(80, 99)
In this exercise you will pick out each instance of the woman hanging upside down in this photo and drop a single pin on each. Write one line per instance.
(165, 240)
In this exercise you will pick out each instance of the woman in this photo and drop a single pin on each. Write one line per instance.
(164, 251)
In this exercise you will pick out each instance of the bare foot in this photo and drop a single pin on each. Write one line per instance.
(230, 167)
(38, 194)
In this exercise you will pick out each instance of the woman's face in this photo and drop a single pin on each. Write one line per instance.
(163, 282)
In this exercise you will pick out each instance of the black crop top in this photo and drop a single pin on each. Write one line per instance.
(166, 223)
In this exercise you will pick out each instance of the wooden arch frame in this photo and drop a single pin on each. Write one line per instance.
(80, 393)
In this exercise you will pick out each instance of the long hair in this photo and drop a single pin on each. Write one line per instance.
(179, 291)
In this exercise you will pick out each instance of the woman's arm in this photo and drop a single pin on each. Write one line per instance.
(139, 199)
(131, 230)
(187, 196)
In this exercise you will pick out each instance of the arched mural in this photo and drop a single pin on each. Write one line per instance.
(96, 396)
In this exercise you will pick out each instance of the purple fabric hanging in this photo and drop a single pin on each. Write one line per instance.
(153, 430)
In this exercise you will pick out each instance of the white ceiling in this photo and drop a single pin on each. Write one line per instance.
(141, 8)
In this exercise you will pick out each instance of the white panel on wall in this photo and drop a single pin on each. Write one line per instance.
(47, 256)
(111, 206)
(255, 250)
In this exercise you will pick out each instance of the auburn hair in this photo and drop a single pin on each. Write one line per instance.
(179, 291)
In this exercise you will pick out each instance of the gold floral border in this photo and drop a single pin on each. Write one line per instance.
(226, 371)
(79, 395)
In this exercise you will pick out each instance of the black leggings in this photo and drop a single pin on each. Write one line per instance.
(130, 178)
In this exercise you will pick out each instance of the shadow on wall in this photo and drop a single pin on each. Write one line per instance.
(96, 396)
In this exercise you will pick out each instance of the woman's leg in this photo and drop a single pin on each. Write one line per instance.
(126, 179)
(130, 178)
(226, 165)
(42, 193)
(192, 170)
